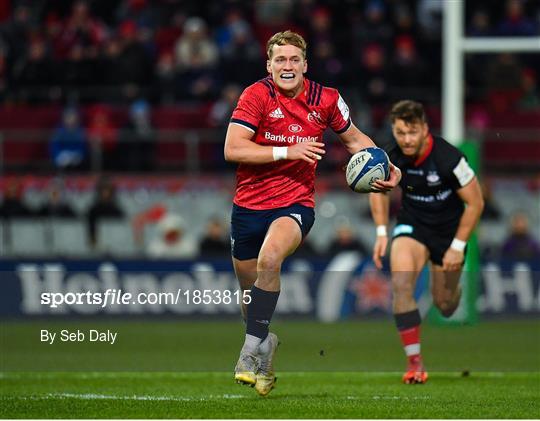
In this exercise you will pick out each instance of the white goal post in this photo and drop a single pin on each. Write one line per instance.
(455, 46)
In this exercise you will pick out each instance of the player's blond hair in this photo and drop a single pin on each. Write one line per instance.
(409, 111)
(286, 38)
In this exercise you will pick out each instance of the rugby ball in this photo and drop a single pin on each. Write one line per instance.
(365, 167)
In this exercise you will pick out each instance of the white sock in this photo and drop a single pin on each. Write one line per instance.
(251, 344)
(264, 347)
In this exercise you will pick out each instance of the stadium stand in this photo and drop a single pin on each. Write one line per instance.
(105, 57)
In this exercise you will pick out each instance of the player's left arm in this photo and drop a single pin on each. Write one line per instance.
(354, 141)
(471, 194)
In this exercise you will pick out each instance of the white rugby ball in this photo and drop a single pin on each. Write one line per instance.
(365, 167)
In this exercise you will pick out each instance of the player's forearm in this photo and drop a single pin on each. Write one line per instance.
(362, 141)
(249, 154)
(354, 140)
(380, 206)
(468, 220)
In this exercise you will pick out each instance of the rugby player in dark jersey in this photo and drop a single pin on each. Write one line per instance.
(441, 204)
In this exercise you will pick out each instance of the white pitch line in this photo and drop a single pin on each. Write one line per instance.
(94, 396)
(218, 374)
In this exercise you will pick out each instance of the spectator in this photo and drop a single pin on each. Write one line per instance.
(530, 98)
(515, 23)
(139, 11)
(34, 73)
(77, 73)
(104, 207)
(520, 243)
(138, 139)
(68, 145)
(12, 205)
(165, 83)
(404, 21)
(327, 65)
(15, 32)
(221, 111)
(3, 72)
(480, 25)
(214, 242)
(134, 63)
(408, 72)
(103, 135)
(491, 211)
(270, 17)
(503, 78)
(240, 55)
(346, 240)
(82, 31)
(56, 207)
(429, 15)
(374, 74)
(196, 60)
(375, 27)
(171, 241)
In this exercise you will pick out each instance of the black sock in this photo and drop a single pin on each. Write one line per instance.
(407, 320)
(260, 311)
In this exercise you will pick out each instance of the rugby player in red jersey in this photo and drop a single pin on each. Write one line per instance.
(433, 224)
(276, 137)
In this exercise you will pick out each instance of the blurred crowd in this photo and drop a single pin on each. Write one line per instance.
(110, 64)
(172, 234)
(167, 51)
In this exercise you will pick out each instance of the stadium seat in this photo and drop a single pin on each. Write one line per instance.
(29, 237)
(3, 239)
(115, 238)
(492, 233)
(70, 237)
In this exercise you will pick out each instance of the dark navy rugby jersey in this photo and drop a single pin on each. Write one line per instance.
(429, 184)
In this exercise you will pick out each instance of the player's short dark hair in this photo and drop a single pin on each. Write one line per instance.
(286, 38)
(409, 111)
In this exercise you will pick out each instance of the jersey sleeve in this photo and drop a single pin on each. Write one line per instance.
(463, 173)
(458, 170)
(249, 110)
(339, 118)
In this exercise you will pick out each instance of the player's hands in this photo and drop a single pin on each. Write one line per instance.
(379, 250)
(306, 151)
(453, 260)
(384, 186)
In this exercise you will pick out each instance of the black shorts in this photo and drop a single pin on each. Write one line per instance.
(437, 240)
(249, 227)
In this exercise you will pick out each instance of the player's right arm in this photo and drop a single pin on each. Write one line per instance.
(240, 148)
(380, 206)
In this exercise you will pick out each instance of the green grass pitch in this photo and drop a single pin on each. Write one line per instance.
(169, 369)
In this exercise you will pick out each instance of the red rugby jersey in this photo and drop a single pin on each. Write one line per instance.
(278, 120)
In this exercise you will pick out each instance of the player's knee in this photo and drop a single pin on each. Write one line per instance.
(445, 306)
(269, 262)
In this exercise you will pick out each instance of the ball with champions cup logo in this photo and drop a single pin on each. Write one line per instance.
(366, 167)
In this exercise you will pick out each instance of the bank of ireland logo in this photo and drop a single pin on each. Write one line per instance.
(295, 128)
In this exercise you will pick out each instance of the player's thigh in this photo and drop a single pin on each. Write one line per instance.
(248, 229)
(246, 272)
(443, 283)
(407, 259)
(282, 239)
